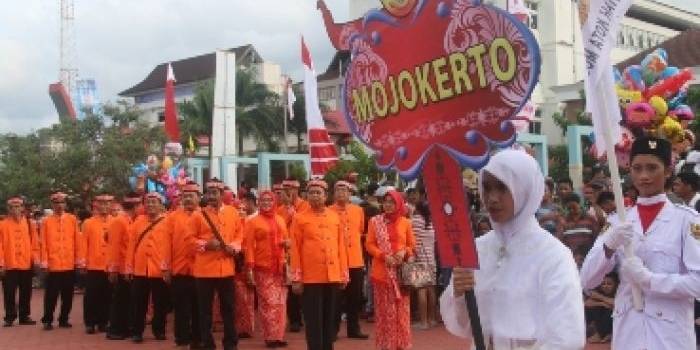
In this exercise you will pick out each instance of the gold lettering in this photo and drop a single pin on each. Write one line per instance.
(458, 64)
(476, 52)
(423, 83)
(441, 77)
(405, 76)
(379, 108)
(363, 110)
(395, 96)
(502, 75)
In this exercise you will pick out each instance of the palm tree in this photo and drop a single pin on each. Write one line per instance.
(258, 112)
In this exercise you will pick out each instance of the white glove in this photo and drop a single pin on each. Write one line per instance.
(633, 269)
(618, 236)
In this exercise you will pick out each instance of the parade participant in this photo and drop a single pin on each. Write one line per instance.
(59, 239)
(19, 250)
(290, 205)
(218, 239)
(390, 242)
(148, 264)
(319, 265)
(266, 240)
(118, 242)
(352, 224)
(183, 285)
(278, 191)
(98, 291)
(244, 285)
(666, 263)
(685, 186)
(527, 286)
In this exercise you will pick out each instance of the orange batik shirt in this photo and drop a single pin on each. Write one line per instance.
(19, 244)
(287, 212)
(263, 243)
(152, 256)
(182, 240)
(60, 238)
(352, 225)
(216, 264)
(118, 243)
(319, 253)
(94, 245)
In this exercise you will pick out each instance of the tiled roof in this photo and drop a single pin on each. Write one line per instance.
(189, 70)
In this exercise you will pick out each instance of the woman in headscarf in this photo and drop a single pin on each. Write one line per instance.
(527, 287)
(266, 241)
(390, 242)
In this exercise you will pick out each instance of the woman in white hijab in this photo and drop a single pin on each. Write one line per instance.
(527, 287)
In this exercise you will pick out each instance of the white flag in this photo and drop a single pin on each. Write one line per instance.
(601, 20)
(291, 98)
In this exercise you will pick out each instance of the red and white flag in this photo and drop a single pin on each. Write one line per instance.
(321, 149)
(172, 129)
(291, 98)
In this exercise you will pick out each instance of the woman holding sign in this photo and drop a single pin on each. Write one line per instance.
(527, 288)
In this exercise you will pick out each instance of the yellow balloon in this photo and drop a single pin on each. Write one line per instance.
(659, 105)
(628, 96)
(167, 163)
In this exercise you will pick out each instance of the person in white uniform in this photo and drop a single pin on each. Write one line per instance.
(666, 263)
(527, 287)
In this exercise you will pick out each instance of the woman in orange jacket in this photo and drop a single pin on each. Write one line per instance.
(266, 239)
(390, 242)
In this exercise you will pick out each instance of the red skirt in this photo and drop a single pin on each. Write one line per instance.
(392, 317)
(244, 306)
(272, 301)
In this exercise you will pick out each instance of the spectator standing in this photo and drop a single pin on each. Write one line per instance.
(424, 232)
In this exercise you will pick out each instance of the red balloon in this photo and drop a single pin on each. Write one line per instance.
(668, 87)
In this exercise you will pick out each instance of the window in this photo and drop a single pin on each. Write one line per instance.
(532, 19)
(161, 117)
(535, 126)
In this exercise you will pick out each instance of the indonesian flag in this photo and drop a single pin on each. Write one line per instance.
(291, 98)
(322, 150)
(171, 127)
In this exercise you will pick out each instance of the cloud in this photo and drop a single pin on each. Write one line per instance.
(118, 42)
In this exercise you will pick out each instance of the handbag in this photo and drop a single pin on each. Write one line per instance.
(416, 274)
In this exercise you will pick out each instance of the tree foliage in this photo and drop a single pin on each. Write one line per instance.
(361, 162)
(80, 157)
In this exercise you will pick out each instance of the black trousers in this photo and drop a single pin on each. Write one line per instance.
(186, 311)
(318, 304)
(205, 294)
(141, 289)
(97, 299)
(602, 320)
(17, 280)
(351, 300)
(293, 308)
(120, 312)
(58, 283)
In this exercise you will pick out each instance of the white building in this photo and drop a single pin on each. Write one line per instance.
(556, 26)
(149, 94)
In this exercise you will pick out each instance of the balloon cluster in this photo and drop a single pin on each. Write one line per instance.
(652, 96)
(166, 176)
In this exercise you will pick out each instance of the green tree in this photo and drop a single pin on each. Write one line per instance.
(80, 157)
(196, 114)
(361, 162)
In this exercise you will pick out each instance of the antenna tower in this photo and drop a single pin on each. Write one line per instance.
(68, 72)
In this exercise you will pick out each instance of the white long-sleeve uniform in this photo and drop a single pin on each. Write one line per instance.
(671, 251)
(529, 296)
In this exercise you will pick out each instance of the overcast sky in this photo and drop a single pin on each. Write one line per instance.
(120, 41)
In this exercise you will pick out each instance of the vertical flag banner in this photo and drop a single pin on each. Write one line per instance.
(601, 20)
(291, 98)
(321, 149)
(172, 129)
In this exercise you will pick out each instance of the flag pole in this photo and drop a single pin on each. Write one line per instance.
(284, 117)
(617, 186)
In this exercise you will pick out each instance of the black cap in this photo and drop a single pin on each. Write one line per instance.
(652, 146)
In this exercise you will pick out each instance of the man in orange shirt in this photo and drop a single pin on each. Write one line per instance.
(19, 250)
(118, 244)
(184, 292)
(218, 239)
(98, 291)
(319, 265)
(290, 205)
(148, 264)
(59, 241)
(352, 224)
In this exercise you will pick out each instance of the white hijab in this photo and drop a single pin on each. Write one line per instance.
(521, 174)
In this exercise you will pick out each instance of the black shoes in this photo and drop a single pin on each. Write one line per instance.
(275, 344)
(358, 335)
(159, 336)
(112, 336)
(48, 326)
(244, 336)
(102, 328)
(7, 324)
(64, 325)
(295, 328)
(137, 339)
(27, 322)
(90, 330)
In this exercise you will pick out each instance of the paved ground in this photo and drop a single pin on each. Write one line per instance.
(32, 337)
